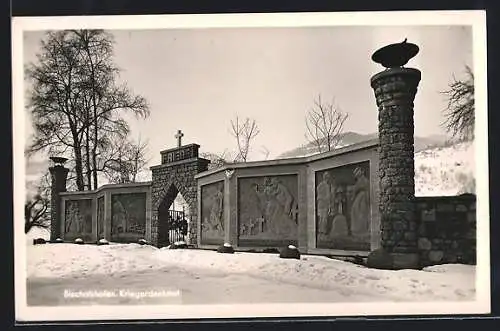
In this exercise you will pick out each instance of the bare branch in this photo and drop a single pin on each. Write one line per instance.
(75, 101)
(244, 132)
(266, 152)
(125, 160)
(37, 208)
(216, 160)
(324, 125)
(460, 111)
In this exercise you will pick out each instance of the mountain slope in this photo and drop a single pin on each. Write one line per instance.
(350, 138)
(440, 169)
(445, 171)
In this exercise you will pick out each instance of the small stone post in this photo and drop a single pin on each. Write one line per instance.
(59, 175)
(395, 89)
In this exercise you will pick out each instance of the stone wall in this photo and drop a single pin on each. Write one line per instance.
(443, 227)
(78, 219)
(95, 221)
(128, 216)
(271, 204)
(364, 153)
(211, 230)
(447, 229)
(283, 175)
(268, 210)
(167, 181)
(343, 216)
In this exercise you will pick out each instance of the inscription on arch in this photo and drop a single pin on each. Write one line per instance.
(179, 154)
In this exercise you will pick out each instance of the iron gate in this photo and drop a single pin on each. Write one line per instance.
(178, 226)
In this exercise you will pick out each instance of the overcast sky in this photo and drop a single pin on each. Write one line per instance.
(196, 80)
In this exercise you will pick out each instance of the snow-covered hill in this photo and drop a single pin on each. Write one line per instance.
(350, 138)
(441, 169)
(445, 171)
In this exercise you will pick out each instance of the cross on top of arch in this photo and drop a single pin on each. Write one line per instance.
(179, 136)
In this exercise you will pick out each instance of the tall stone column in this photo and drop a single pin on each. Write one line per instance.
(59, 175)
(395, 89)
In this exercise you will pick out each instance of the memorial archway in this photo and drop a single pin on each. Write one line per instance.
(176, 174)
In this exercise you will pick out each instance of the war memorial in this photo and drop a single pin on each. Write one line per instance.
(358, 200)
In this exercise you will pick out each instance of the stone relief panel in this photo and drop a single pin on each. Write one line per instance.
(128, 216)
(212, 211)
(100, 217)
(78, 218)
(343, 217)
(268, 209)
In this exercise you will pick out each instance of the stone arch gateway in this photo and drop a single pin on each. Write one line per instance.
(175, 174)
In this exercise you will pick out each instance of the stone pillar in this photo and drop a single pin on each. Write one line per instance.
(154, 227)
(227, 209)
(107, 215)
(200, 166)
(59, 175)
(395, 89)
(95, 224)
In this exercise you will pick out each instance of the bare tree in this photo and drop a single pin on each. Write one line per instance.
(36, 213)
(216, 160)
(136, 158)
(75, 100)
(460, 112)
(124, 159)
(37, 207)
(244, 132)
(140, 158)
(325, 123)
(265, 151)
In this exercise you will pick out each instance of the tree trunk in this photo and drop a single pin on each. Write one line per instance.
(27, 227)
(87, 152)
(27, 217)
(78, 167)
(135, 170)
(94, 113)
(94, 150)
(87, 157)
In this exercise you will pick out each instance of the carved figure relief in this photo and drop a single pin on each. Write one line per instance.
(128, 215)
(343, 207)
(325, 198)
(78, 216)
(268, 207)
(360, 212)
(212, 204)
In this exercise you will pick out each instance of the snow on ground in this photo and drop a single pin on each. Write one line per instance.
(75, 261)
(35, 233)
(326, 273)
(70, 261)
(449, 268)
(445, 171)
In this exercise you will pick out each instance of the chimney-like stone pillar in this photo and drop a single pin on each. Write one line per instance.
(59, 175)
(395, 89)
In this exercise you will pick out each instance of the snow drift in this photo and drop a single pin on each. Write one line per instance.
(446, 282)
